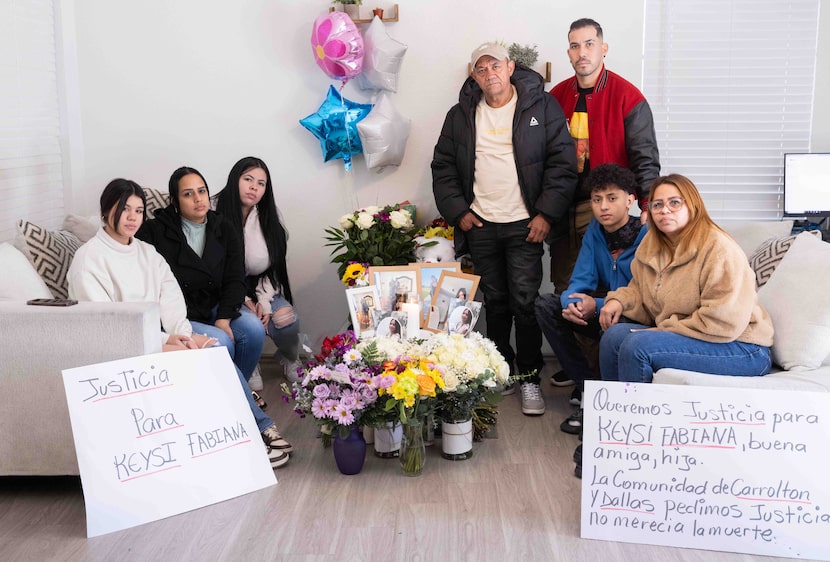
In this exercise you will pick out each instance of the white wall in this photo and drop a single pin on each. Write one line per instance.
(204, 82)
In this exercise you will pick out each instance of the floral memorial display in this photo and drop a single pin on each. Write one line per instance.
(377, 380)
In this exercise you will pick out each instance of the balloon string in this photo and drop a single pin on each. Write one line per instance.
(347, 160)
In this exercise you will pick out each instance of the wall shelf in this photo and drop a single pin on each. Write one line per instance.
(389, 19)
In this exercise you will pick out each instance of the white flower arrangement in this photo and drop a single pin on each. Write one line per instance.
(470, 361)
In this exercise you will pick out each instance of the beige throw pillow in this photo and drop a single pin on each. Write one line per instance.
(798, 301)
(50, 252)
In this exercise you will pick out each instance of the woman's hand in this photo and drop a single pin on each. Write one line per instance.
(201, 342)
(178, 342)
(610, 313)
(224, 324)
(263, 317)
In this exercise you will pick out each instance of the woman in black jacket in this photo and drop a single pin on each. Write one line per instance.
(205, 254)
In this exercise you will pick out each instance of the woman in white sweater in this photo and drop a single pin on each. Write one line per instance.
(114, 266)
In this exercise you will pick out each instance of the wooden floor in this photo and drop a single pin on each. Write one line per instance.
(516, 499)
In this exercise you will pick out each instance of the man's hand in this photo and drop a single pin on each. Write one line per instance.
(468, 221)
(539, 228)
(580, 312)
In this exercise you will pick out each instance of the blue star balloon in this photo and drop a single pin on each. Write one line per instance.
(335, 124)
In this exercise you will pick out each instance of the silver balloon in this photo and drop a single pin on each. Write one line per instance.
(383, 134)
(382, 59)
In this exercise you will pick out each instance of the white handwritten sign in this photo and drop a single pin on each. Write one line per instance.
(737, 470)
(162, 434)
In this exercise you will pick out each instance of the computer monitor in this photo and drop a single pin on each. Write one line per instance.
(807, 185)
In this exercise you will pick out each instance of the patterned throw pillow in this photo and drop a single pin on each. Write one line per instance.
(769, 254)
(155, 200)
(50, 252)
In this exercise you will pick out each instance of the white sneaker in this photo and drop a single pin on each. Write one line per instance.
(272, 437)
(533, 404)
(255, 382)
(292, 369)
(276, 457)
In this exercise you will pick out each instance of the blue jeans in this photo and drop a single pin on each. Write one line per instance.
(511, 274)
(287, 338)
(635, 356)
(560, 335)
(248, 338)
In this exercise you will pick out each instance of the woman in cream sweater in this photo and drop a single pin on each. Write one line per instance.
(691, 303)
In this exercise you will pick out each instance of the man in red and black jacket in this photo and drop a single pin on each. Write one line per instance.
(611, 122)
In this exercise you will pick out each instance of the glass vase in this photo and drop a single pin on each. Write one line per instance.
(413, 450)
(457, 439)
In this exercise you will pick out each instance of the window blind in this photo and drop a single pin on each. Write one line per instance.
(731, 86)
(31, 177)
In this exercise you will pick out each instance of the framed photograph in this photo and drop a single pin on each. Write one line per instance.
(462, 320)
(430, 274)
(363, 304)
(394, 325)
(395, 285)
(454, 290)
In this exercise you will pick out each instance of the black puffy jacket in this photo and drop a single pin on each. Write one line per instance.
(542, 147)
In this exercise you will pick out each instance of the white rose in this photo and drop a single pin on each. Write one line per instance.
(346, 221)
(399, 220)
(372, 210)
(365, 221)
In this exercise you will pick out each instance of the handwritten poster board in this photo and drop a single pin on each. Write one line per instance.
(735, 470)
(162, 434)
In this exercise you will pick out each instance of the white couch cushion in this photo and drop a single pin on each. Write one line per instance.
(798, 301)
(751, 234)
(814, 381)
(19, 281)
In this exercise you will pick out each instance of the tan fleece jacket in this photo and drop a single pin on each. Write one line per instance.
(707, 293)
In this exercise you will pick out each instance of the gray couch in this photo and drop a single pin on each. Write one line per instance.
(36, 343)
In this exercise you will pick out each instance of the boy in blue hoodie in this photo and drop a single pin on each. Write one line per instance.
(603, 264)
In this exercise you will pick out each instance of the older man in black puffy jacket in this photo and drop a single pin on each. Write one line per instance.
(504, 174)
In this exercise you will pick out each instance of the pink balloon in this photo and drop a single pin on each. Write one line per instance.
(337, 46)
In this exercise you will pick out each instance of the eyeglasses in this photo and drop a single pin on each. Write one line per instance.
(674, 204)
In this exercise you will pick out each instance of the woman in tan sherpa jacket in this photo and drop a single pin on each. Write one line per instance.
(691, 303)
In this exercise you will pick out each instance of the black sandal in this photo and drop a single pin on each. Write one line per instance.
(259, 400)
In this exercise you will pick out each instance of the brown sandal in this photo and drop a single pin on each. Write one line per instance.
(259, 400)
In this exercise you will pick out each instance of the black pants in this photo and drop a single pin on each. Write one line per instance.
(511, 274)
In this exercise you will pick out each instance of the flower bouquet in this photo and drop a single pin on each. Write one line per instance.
(374, 236)
(411, 395)
(474, 371)
(339, 388)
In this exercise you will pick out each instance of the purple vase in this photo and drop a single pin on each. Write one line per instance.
(349, 453)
